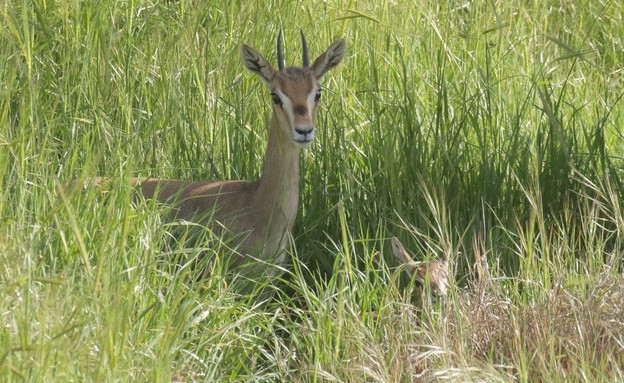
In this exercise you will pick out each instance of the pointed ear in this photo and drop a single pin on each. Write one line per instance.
(257, 64)
(400, 254)
(332, 56)
(399, 251)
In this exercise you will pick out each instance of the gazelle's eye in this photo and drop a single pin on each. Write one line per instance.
(318, 96)
(276, 98)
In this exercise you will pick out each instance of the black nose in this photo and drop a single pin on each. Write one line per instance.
(303, 132)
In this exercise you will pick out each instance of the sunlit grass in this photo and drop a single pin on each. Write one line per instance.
(488, 131)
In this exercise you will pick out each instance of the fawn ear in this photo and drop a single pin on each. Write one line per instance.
(400, 254)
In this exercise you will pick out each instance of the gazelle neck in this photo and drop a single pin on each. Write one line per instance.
(277, 195)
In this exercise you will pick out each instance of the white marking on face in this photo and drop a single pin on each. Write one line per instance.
(311, 135)
(287, 106)
(303, 133)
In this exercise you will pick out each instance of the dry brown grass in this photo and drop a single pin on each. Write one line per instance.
(575, 331)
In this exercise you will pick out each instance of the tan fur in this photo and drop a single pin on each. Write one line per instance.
(258, 214)
(435, 272)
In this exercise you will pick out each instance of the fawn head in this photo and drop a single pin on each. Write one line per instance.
(434, 273)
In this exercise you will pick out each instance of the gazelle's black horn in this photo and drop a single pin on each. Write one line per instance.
(280, 55)
(304, 47)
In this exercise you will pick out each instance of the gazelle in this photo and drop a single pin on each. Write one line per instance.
(258, 215)
(435, 272)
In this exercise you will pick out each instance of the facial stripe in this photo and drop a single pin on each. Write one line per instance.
(297, 92)
(286, 106)
(300, 110)
(312, 100)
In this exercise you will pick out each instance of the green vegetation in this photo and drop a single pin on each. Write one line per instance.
(491, 131)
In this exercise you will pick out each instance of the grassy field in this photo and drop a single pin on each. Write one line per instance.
(491, 131)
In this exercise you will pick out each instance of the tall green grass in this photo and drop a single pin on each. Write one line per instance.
(490, 131)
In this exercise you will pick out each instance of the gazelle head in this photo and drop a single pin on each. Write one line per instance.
(295, 91)
(435, 273)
